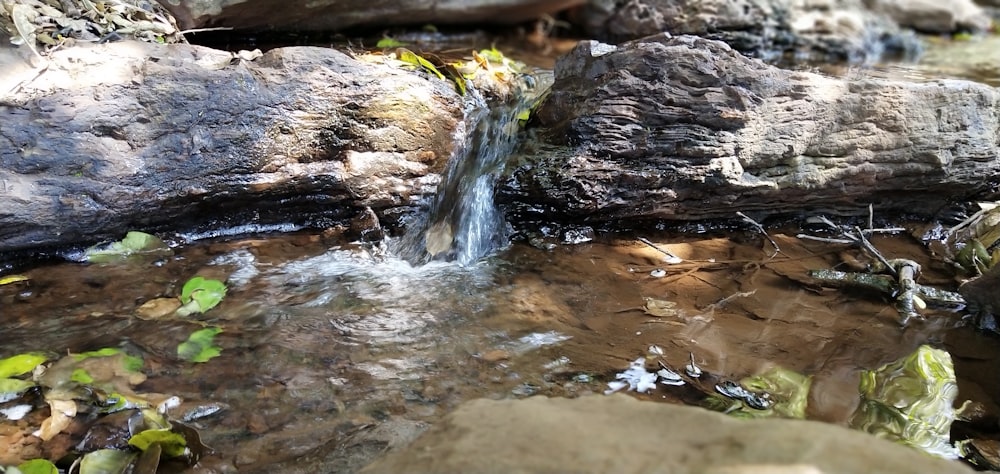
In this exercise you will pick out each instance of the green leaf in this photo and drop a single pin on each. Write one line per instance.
(173, 444)
(20, 364)
(13, 388)
(134, 242)
(106, 461)
(81, 376)
(199, 346)
(105, 352)
(415, 59)
(204, 292)
(38, 466)
(388, 42)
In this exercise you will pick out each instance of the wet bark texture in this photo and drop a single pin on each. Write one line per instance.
(140, 136)
(686, 128)
(334, 15)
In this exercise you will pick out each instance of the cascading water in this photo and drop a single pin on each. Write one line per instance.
(463, 223)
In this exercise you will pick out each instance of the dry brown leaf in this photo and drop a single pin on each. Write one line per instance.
(62, 415)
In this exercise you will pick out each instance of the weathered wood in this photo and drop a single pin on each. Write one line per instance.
(686, 128)
(134, 135)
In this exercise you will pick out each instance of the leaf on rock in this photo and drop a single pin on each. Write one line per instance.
(199, 346)
(133, 243)
(415, 59)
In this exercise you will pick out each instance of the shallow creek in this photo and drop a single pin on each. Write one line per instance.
(332, 353)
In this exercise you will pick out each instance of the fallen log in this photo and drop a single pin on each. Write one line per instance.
(684, 128)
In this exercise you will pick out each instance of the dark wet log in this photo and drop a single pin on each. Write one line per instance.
(140, 136)
(686, 128)
(332, 15)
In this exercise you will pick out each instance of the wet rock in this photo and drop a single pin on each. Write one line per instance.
(984, 299)
(622, 434)
(122, 136)
(931, 16)
(766, 29)
(687, 128)
(327, 15)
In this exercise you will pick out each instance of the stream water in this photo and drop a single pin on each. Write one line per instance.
(333, 352)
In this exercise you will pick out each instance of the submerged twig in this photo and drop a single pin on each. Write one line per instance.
(760, 229)
(671, 258)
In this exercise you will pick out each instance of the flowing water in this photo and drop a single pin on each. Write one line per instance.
(463, 224)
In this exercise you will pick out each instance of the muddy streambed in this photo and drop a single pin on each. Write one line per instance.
(332, 353)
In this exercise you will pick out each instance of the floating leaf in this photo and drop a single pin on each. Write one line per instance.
(199, 346)
(106, 461)
(173, 444)
(201, 294)
(12, 279)
(20, 364)
(387, 42)
(133, 243)
(38, 466)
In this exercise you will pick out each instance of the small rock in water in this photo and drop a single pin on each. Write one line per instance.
(438, 238)
(525, 390)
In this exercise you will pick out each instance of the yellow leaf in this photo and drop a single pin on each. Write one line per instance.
(12, 279)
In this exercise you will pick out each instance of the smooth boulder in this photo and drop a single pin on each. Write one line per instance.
(621, 434)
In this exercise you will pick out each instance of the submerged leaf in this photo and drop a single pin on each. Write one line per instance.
(106, 461)
(173, 444)
(911, 401)
(199, 346)
(13, 388)
(20, 364)
(38, 466)
(201, 294)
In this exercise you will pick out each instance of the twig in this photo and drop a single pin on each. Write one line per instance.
(826, 239)
(672, 258)
(868, 247)
(201, 30)
(760, 229)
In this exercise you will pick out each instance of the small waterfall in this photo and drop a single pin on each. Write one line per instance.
(463, 223)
